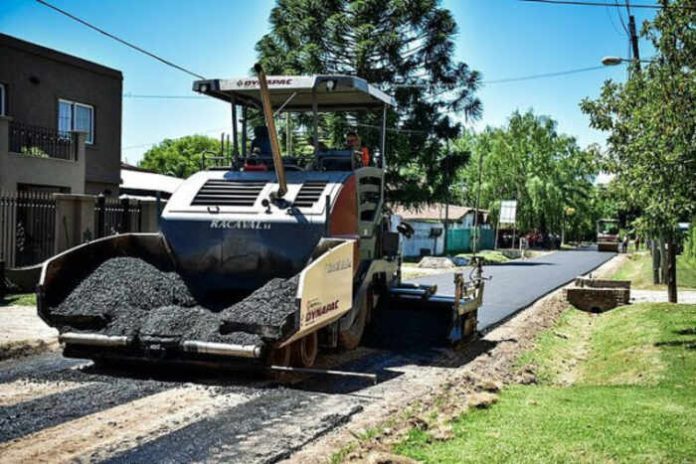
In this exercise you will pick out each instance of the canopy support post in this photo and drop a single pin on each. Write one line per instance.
(288, 135)
(383, 144)
(244, 130)
(235, 141)
(315, 120)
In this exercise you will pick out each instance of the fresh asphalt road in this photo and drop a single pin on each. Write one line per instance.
(518, 284)
(63, 410)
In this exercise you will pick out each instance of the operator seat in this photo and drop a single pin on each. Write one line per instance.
(335, 160)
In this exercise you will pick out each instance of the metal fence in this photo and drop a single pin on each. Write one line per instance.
(28, 224)
(27, 227)
(41, 142)
(462, 240)
(114, 216)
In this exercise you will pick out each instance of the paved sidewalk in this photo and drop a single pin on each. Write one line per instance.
(660, 296)
(24, 333)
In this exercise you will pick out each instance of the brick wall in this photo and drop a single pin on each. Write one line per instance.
(596, 296)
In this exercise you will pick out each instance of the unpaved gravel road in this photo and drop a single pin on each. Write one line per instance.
(54, 409)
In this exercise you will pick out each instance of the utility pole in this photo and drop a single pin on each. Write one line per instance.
(633, 35)
(667, 248)
(448, 176)
(477, 238)
(444, 248)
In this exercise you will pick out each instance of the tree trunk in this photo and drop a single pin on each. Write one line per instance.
(655, 252)
(671, 271)
(663, 260)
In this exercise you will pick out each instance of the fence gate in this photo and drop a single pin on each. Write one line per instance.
(27, 228)
(114, 216)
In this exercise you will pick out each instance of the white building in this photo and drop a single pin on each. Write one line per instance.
(141, 183)
(428, 222)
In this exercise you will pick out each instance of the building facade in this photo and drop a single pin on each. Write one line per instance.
(430, 223)
(60, 121)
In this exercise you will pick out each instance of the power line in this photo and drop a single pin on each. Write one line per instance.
(543, 76)
(149, 144)
(618, 13)
(587, 3)
(175, 97)
(493, 81)
(611, 20)
(118, 39)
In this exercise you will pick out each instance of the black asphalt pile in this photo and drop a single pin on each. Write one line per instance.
(268, 312)
(179, 321)
(128, 296)
(118, 295)
(190, 323)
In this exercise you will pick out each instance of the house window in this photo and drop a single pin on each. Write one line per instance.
(3, 98)
(73, 116)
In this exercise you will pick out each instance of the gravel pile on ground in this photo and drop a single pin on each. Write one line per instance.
(433, 262)
(267, 312)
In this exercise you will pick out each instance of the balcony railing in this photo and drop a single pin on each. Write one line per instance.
(41, 142)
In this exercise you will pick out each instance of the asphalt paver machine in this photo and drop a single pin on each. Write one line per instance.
(255, 216)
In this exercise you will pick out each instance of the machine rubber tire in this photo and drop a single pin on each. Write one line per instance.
(350, 339)
(305, 350)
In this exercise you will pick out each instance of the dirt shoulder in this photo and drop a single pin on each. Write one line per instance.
(467, 378)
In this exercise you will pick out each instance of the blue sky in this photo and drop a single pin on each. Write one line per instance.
(216, 38)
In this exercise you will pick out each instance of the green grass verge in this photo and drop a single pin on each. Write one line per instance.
(638, 269)
(24, 299)
(576, 424)
(632, 397)
(556, 350)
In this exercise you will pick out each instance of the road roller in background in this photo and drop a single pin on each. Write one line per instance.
(254, 215)
(608, 235)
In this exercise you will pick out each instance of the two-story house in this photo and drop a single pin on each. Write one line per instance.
(60, 121)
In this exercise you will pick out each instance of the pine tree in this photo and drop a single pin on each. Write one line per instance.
(406, 48)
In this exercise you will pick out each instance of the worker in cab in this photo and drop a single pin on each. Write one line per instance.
(262, 141)
(260, 149)
(354, 143)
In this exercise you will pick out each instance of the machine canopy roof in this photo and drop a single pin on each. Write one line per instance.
(294, 93)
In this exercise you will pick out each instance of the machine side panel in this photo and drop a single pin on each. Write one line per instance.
(344, 214)
(325, 290)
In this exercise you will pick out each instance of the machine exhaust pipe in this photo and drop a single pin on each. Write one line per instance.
(222, 349)
(270, 124)
(73, 338)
